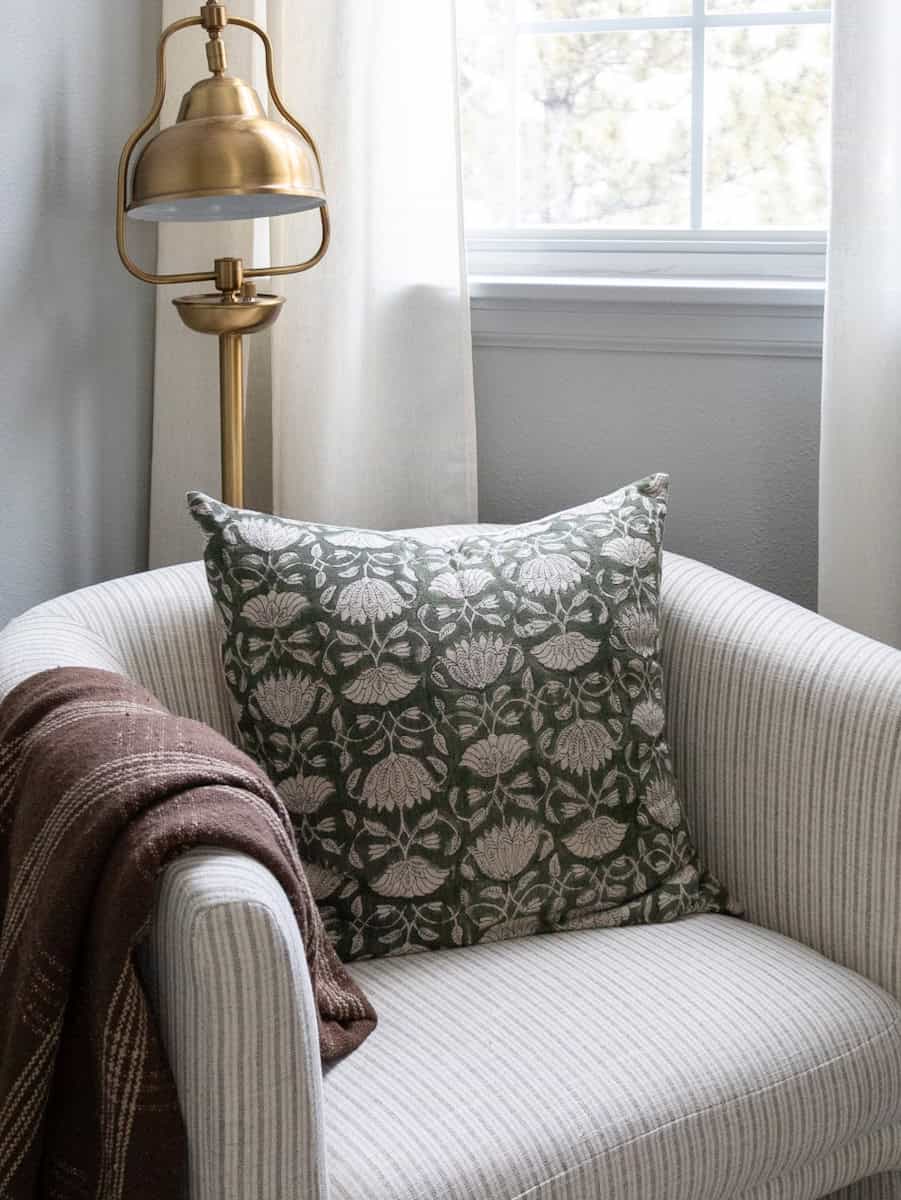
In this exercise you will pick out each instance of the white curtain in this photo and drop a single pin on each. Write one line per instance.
(860, 468)
(361, 404)
(372, 364)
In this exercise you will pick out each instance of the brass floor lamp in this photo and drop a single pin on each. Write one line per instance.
(222, 160)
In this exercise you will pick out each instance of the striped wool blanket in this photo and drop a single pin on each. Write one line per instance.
(100, 787)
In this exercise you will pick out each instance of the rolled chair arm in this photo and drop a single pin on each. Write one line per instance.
(158, 628)
(226, 969)
(786, 735)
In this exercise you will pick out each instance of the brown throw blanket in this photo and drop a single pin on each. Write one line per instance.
(100, 787)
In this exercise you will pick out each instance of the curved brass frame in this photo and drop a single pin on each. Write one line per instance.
(147, 124)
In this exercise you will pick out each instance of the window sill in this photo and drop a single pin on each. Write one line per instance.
(676, 256)
(624, 289)
(621, 314)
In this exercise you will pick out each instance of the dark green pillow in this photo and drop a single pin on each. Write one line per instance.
(469, 736)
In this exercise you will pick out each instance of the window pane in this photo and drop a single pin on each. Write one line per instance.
(564, 10)
(485, 130)
(604, 129)
(766, 101)
(767, 6)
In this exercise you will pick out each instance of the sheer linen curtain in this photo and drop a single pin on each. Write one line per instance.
(860, 464)
(373, 413)
(360, 399)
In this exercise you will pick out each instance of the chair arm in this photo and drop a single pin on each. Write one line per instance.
(227, 974)
(30, 644)
(786, 735)
(158, 627)
(224, 964)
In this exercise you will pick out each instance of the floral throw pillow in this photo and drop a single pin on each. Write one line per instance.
(469, 735)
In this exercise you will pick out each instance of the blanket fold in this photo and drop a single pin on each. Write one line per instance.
(100, 787)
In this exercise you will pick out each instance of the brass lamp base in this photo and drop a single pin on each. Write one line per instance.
(231, 313)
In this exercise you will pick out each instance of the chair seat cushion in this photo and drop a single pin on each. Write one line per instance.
(702, 1059)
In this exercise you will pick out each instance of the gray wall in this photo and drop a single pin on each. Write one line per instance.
(738, 435)
(76, 331)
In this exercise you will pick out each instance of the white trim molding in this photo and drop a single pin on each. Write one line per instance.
(775, 319)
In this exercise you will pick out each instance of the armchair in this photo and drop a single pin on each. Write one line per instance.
(703, 1060)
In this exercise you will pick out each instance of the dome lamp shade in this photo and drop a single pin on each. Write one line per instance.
(224, 160)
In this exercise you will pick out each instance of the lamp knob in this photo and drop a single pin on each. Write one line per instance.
(249, 292)
(216, 57)
(229, 274)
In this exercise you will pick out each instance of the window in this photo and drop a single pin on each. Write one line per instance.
(646, 128)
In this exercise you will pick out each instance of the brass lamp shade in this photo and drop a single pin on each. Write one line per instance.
(224, 160)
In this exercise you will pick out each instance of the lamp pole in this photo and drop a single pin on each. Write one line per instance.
(231, 410)
(236, 310)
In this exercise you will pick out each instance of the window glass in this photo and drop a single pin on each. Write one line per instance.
(488, 160)
(767, 6)
(588, 114)
(605, 129)
(558, 10)
(766, 99)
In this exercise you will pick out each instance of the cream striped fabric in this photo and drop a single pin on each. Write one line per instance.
(707, 1058)
(158, 628)
(786, 733)
(235, 1005)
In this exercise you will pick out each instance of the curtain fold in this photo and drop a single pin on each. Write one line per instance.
(360, 399)
(860, 480)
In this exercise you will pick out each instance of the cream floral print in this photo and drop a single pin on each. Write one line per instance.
(469, 738)
(477, 662)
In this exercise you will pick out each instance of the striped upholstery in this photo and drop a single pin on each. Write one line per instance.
(158, 628)
(233, 995)
(786, 730)
(699, 1059)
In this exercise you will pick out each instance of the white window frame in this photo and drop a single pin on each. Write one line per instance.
(690, 253)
